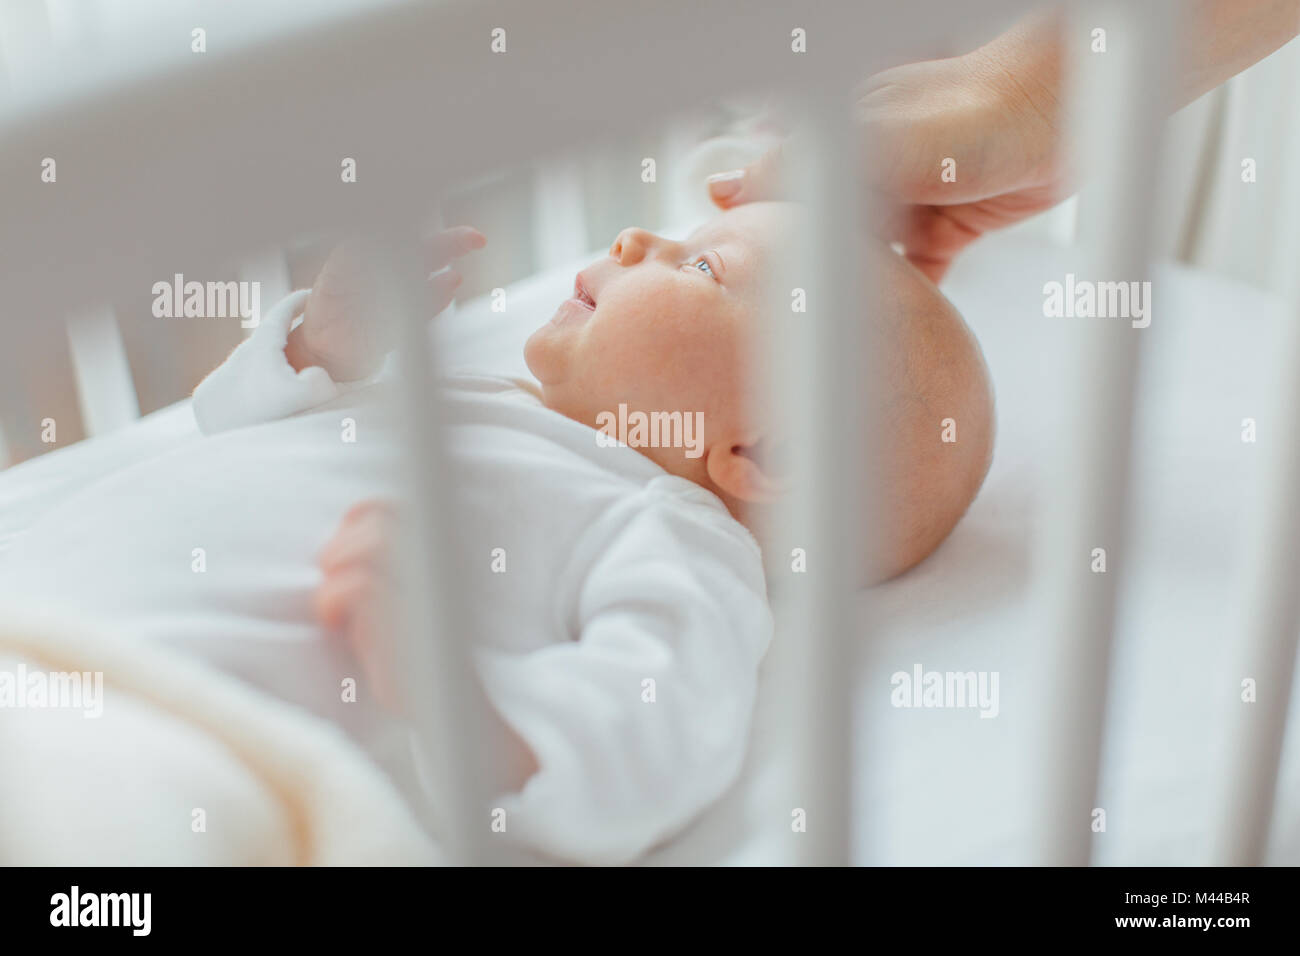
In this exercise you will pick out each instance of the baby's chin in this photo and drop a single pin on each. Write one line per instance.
(546, 353)
(549, 349)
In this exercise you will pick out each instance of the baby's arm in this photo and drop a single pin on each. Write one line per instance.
(255, 384)
(643, 722)
(359, 598)
(621, 738)
(280, 369)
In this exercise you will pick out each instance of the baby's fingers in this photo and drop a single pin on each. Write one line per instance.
(364, 536)
(341, 594)
(452, 244)
(444, 286)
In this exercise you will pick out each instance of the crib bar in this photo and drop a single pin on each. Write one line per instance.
(270, 269)
(1117, 99)
(1269, 610)
(105, 388)
(818, 371)
(559, 213)
(447, 707)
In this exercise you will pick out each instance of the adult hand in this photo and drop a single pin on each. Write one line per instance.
(995, 113)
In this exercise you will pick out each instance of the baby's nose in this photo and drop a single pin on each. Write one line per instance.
(631, 245)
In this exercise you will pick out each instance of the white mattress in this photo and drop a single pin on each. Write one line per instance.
(936, 786)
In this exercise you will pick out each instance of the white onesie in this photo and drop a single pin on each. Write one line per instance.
(616, 574)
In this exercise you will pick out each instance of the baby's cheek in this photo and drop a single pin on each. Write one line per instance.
(647, 366)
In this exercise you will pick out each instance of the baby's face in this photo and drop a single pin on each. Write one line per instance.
(660, 327)
(664, 326)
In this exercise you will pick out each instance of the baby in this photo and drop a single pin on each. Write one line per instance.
(619, 596)
(670, 586)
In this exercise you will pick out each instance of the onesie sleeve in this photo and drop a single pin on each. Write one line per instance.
(256, 383)
(643, 721)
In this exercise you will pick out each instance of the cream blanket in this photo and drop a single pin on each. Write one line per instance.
(182, 766)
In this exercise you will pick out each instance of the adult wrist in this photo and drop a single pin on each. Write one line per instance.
(1022, 72)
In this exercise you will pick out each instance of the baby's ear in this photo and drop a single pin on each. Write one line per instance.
(753, 473)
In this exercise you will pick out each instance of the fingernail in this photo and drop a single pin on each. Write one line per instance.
(725, 185)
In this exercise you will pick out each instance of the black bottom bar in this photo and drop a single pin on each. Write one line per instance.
(332, 906)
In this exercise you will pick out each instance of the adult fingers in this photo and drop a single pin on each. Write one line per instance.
(761, 179)
(931, 237)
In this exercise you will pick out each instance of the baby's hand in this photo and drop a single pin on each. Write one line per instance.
(337, 334)
(359, 594)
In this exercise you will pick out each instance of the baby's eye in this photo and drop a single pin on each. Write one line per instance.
(702, 264)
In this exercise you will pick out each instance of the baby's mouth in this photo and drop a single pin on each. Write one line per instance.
(581, 295)
(577, 308)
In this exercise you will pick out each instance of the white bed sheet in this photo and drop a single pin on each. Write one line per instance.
(945, 786)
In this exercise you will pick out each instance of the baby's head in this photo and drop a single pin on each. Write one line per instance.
(661, 326)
